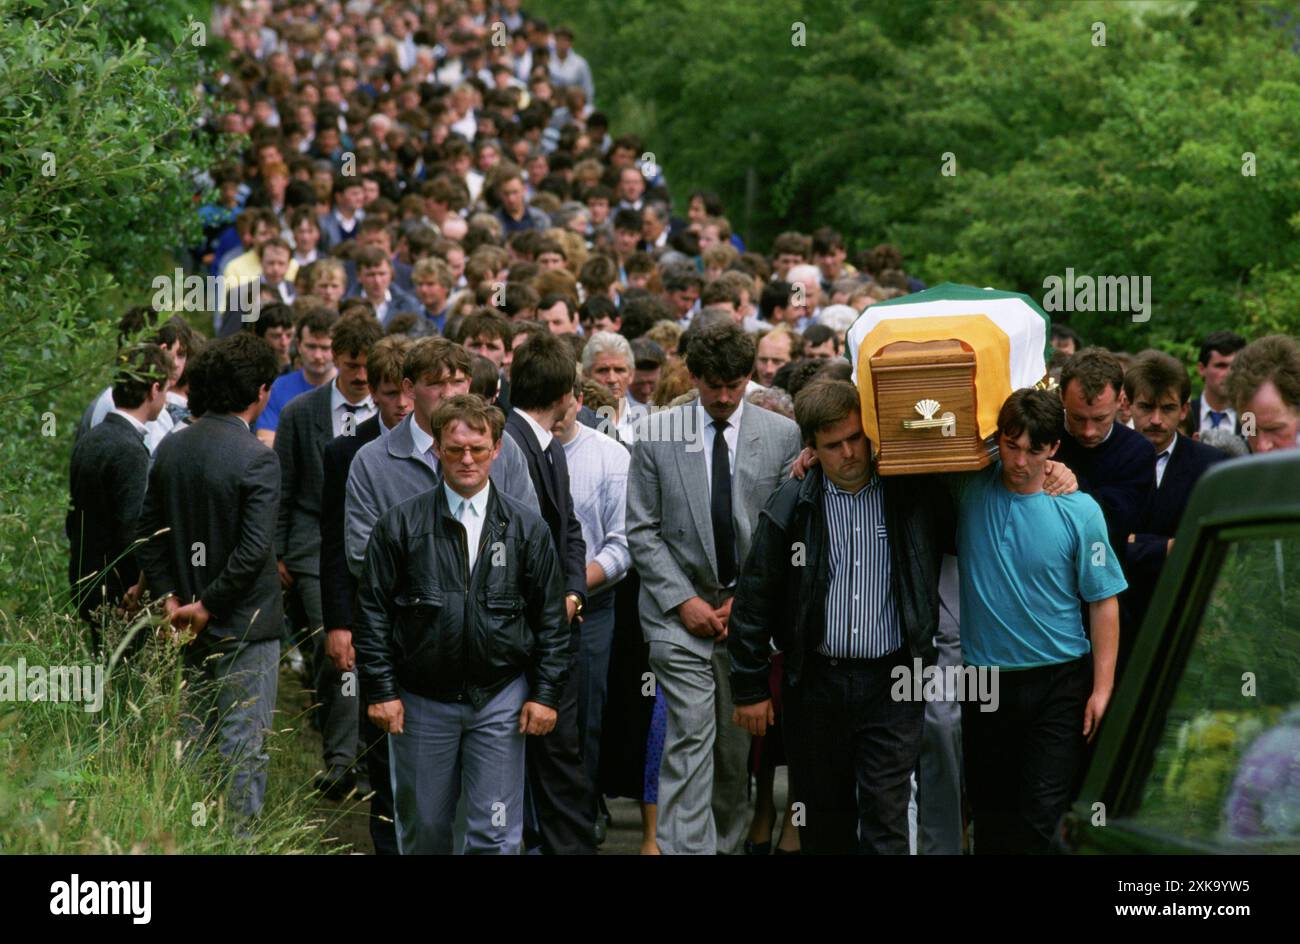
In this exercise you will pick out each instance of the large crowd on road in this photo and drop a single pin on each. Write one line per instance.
(507, 460)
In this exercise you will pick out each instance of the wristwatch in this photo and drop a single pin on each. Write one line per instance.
(577, 603)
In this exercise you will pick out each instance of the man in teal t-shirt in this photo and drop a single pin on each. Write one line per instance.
(1027, 560)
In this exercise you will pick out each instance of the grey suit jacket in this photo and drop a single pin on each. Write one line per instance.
(388, 471)
(305, 429)
(669, 525)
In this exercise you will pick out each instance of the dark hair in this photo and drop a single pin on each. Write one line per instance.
(229, 375)
(368, 257)
(1154, 372)
(553, 299)
(470, 410)
(628, 220)
(485, 379)
(718, 291)
(797, 374)
(436, 356)
(519, 297)
(679, 278)
(1037, 412)
(640, 314)
(720, 352)
(354, 334)
(542, 372)
(1095, 368)
(274, 315)
(597, 306)
(138, 368)
(319, 319)
(1220, 342)
(775, 295)
(820, 334)
(484, 321)
(1068, 333)
(822, 404)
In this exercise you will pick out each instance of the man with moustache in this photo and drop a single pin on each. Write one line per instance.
(1158, 387)
(315, 349)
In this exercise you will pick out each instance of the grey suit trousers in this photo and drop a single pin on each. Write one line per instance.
(340, 705)
(939, 787)
(447, 746)
(704, 774)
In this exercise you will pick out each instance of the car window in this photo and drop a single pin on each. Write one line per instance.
(1227, 765)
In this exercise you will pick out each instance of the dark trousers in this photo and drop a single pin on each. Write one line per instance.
(1021, 759)
(560, 801)
(851, 750)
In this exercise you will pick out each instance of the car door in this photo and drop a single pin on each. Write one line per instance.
(1200, 748)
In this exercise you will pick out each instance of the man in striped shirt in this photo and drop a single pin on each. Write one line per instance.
(843, 577)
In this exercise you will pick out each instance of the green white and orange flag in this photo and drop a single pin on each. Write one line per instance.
(1007, 331)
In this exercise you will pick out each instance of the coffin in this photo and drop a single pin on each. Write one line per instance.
(926, 401)
(934, 368)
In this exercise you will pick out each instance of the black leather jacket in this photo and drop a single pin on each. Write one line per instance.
(424, 623)
(781, 594)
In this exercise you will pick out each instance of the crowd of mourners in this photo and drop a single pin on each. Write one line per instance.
(551, 495)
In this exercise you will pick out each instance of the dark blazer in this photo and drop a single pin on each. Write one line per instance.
(216, 485)
(556, 502)
(1160, 517)
(305, 429)
(110, 470)
(338, 588)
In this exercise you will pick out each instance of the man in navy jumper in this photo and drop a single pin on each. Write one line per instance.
(1114, 464)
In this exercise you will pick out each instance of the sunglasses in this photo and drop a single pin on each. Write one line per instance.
(456, 453)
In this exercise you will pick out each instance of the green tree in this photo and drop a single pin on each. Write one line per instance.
(99, 119)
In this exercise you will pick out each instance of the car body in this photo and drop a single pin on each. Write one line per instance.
(1199, 751)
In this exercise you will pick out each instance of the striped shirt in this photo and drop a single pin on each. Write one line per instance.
(861, 614)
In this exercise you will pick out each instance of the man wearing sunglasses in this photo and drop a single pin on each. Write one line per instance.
(462, 641)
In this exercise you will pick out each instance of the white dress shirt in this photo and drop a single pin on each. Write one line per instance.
(1205, 424)
(731, 434)
(365, 409)
(423, 443)
(471, 512)
(544, 435)
(1162, 460)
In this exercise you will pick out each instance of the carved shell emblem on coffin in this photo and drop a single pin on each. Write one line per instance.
(927, 408)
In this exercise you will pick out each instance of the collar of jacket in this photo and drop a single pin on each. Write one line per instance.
(495, 516)
(401, 444)
(228, 418)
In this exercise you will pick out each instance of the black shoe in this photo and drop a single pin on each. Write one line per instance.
(602, 830)
(336, 783)
(758, 848)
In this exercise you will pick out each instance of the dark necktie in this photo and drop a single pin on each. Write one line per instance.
(1216, 418)
(724, 534)
(352, 407)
